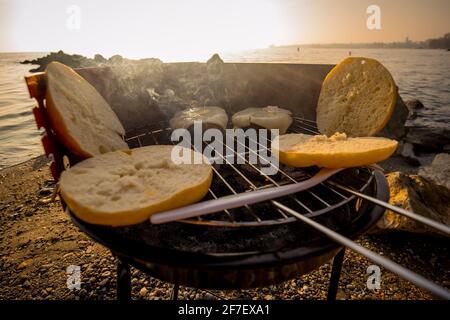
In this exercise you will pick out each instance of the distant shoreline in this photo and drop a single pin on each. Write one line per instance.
(354, 46)
(438, 43)
(310, 46)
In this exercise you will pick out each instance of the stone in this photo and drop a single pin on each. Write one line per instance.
(406, 150)
(209, 296)
(103, 283)
(143, 292)
(99, 58)
(395, 128)
(419, 195)
(438, 171)
(25, 264)
(430, 133)
(116, 59)
(428, 137)
(214, 59)
(414, 104)
(340, 295)
(83, 293)
(75, 61)
(45, 192)
(106, 274)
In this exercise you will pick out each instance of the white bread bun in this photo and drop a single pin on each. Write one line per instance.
(80, 117)
(211, 115)
(270, 117)
(126, 187)
(358, 97)
(338, 151)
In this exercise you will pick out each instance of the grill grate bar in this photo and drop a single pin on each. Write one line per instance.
(319, 198)
(153, 137)
(304, 120)
(227, 212)
(307, 122)
(304, 129)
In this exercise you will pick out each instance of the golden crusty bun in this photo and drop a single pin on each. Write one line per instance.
(358, 97)
(79, 115)
(338, 151)
(270, 117)
(126, 187)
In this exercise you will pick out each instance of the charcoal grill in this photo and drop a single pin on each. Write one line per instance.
(247, 247)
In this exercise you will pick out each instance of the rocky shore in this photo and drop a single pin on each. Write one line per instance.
(78, 61)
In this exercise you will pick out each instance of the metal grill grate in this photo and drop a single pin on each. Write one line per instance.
(235, 178)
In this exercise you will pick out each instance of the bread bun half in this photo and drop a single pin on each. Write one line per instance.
(270, 117)
(79, 115)
(338, 151)
(207, 115)
(358, 97)
(126, 187)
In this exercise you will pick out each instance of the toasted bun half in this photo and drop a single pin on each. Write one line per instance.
(301, 150)
(358, 97)
(79, 115)
(270, 117)
(126, 187)
(207, 115)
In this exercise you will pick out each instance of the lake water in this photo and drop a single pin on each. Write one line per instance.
(419, 73)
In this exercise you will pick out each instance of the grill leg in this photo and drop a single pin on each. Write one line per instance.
(335, 275)
(174, 293)
(123, 281)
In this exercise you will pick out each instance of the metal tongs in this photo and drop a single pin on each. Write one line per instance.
(251, 197)
(241, 199)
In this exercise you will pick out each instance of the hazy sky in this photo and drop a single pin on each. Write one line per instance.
(193, 29)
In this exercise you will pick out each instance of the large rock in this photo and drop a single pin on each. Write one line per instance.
(439, 170)
(395, 128)
(427, 128)
(406, 151)
(428, 137)
(99, 58)
(72, 60)
(417, 194)
(413, 106)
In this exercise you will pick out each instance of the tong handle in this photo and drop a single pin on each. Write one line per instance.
(240, 199)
